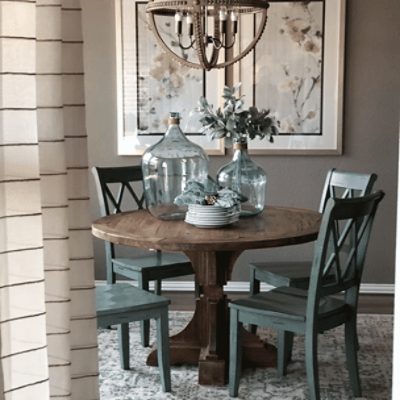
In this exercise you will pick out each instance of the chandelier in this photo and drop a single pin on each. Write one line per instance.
(205, 27)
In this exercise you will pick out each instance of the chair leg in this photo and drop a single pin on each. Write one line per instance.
(197, 290)
(163, 351)
(357, 342)
(254, 289)
(123, 339)
(285, 345)
(235, 358)
(110, 274)
(111, 279)
(311, 347)
(351, 343)
(144, 325)
(289, 346)
(158, 287)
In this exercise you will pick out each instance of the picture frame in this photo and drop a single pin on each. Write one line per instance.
(296, 71)
(150, 85)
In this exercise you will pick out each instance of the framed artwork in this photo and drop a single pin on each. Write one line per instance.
(296, 71)
(150, 85)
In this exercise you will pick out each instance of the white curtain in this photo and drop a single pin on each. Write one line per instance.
(47, 309)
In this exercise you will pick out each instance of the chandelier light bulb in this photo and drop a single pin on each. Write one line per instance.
(222, 14)
(178, 23)
(189, 23)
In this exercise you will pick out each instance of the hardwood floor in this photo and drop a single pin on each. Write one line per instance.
(368, 304)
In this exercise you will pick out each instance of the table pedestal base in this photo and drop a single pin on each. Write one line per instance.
(190, 346)
(205, 340)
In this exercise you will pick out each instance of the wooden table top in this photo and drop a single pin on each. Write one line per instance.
(276, 226)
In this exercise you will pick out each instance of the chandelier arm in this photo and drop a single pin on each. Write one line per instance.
(217, 43)
(160, 41)
(227, 47)
(185, 47)
(250, 46)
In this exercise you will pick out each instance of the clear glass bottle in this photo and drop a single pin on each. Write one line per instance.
(244, 176)
(167, 166)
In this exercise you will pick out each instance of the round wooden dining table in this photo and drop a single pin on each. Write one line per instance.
(213, 252)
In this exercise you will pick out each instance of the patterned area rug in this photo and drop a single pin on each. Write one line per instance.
(142, 382)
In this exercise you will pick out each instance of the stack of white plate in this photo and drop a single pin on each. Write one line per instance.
(207, 216)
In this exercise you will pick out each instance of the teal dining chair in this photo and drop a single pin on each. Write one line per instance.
(121, 303)
(121, 189)
(338, 184)
(340, 252)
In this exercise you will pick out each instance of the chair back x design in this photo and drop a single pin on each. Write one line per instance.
(123, 177)
(115, 193)
(341, 247)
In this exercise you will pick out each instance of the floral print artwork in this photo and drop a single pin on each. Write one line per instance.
(150, 84)
(163, 85)
(288, 69)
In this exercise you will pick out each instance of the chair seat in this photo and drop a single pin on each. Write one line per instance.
(289, 302)
(162, 264)
(122, 298)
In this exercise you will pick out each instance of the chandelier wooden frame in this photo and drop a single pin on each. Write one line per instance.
(197, 8)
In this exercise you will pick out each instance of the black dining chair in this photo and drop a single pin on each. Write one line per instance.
(338, 184)
(340, 252)
(118, 189)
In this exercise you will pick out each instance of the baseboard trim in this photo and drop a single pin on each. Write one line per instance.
(188, 286)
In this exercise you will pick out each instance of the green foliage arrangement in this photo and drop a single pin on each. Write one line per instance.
(233, 123)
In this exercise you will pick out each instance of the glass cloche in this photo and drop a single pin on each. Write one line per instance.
(167, 167)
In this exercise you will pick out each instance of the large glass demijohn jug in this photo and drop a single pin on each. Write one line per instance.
(244, 176)
(167, 167)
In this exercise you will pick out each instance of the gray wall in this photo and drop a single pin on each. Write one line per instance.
(370, 132)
